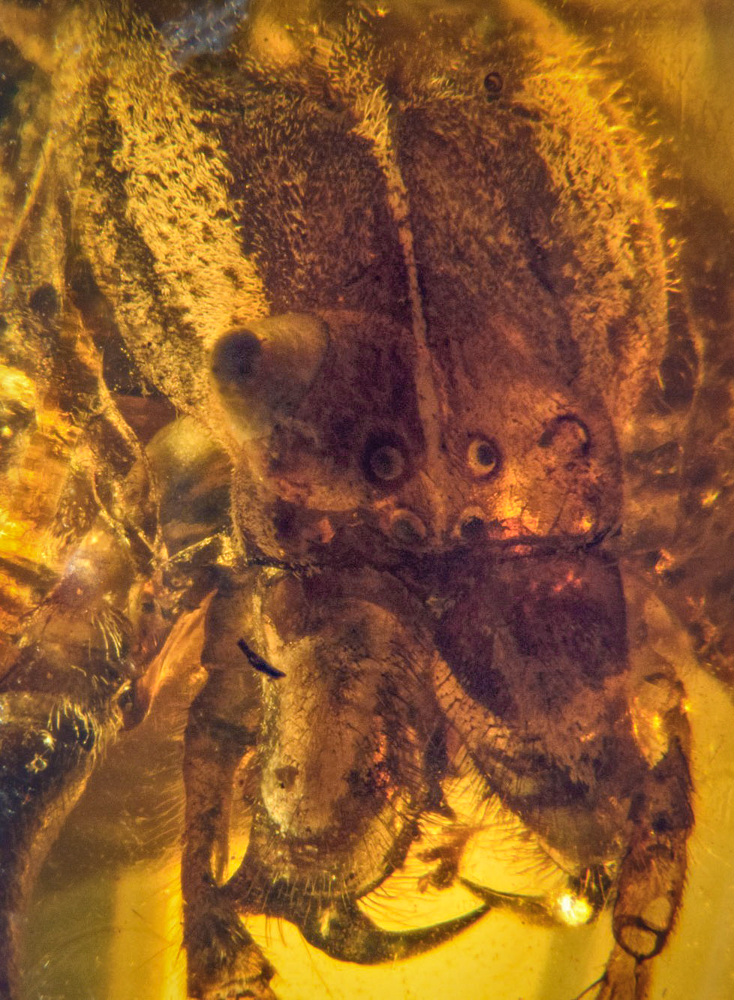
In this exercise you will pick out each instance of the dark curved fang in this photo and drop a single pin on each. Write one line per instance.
(349, 935)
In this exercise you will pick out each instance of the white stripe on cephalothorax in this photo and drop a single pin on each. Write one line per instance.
(371, 105)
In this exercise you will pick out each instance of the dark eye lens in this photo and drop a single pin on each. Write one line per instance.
(386, 463)
(472, 528)
(385, 458)
(493, 84)
(407, 528)
(483, 458)
(235, 358)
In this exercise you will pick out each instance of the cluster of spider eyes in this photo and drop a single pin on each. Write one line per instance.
(386, 462)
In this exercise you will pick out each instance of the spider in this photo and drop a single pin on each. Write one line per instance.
(359, 334)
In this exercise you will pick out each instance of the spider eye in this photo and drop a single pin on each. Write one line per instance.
(407, 528)
(568, 434)
(483, 458)
(263, 371)
(384, 459)
(493, 84)
(236, 358)
(386, 463)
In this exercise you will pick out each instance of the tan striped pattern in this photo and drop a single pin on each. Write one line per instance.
(177, 192)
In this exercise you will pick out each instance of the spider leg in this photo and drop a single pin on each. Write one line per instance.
(222, 728)
(60, 700)
(47, 750)
(652, 877)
